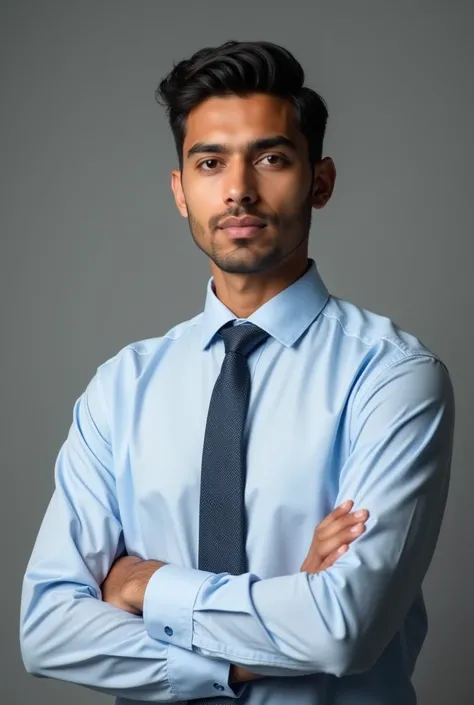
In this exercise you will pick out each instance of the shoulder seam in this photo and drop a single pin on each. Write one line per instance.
(192, 322)
(345, 331)
(399, 345)
(132, 346)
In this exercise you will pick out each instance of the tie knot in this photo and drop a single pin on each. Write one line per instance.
(242, 339)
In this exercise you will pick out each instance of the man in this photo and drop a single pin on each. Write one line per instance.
(178, 558)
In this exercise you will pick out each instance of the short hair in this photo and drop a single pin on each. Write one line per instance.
(242, 69)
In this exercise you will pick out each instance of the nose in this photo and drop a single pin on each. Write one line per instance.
(239, 184)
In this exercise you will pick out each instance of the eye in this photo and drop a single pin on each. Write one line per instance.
(208, 165)
(275, 160)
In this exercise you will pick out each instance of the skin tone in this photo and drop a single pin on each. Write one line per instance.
(246, 156)
(128, 578)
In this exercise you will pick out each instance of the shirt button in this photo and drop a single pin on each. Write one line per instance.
(168, 631)
(218, 686)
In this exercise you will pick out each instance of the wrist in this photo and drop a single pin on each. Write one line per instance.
(136, 582)
(238, 674)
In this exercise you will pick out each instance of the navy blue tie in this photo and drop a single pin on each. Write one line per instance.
(222, 518)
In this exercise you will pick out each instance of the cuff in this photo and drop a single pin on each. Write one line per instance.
(168, 604)
(192, 676)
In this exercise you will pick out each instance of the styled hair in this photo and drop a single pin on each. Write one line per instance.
(241, 69)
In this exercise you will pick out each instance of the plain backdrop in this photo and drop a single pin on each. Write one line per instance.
(94, 254)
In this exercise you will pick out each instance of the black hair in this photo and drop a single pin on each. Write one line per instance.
(242, 68)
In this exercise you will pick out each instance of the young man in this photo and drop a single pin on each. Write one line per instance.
(173, 564)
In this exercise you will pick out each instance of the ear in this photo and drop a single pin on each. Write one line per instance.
(177, 189)
(323, 182)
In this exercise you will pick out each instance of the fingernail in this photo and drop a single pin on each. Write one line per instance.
(360, 513)
(343, 549)
(356, 529)
(345, 504)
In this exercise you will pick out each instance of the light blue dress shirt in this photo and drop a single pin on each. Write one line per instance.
(344, 405)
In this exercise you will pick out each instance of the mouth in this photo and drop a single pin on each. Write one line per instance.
(239, 232)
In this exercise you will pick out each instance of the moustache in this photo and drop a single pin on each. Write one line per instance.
(265, 217)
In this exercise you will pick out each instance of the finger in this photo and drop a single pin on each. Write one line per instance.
(332, 558)
(346, 536)
(339, 511)
(342, 523)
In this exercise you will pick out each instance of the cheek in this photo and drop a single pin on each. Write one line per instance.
(203, 200)
(286, 193)
(286, 200)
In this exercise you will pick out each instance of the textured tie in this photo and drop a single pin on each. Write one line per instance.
(222, 525)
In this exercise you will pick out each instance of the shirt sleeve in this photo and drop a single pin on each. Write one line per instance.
(338, 621)
(66, 631)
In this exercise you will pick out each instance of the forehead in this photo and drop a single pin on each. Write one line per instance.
(235, 119)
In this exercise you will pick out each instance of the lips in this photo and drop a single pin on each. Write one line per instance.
(243, 231)
(244, 221)
(245, 227)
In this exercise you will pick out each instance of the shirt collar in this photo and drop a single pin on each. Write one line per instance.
(285, 317)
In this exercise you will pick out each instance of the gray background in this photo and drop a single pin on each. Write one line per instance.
(94, 254)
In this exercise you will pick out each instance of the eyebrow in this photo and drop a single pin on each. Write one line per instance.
(266, 143)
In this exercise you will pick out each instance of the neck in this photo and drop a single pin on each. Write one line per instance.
(245, 293)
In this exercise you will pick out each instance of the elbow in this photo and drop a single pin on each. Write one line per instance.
(33, 647)
(351, 640)
(33, 636)
(37, 654)
(350, 658)
(47, 627)
(31, 654)
(343, 657)
(35, 639)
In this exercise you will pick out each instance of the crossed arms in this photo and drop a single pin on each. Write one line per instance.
(334, 621)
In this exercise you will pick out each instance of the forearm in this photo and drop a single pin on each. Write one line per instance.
(296, 624)
(338, 621)
(227, 624)
(68, 631)
(70, 635)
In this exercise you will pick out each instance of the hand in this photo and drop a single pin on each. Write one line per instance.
(125, 585)
(238, 674)
(112, 586)
(330, 540)
(332, 537)
(124, 588)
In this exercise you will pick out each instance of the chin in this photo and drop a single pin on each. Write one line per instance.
(246, 263)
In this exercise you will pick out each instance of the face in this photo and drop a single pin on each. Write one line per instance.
(246, 159)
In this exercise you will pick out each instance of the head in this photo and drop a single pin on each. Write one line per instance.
(249, 137)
